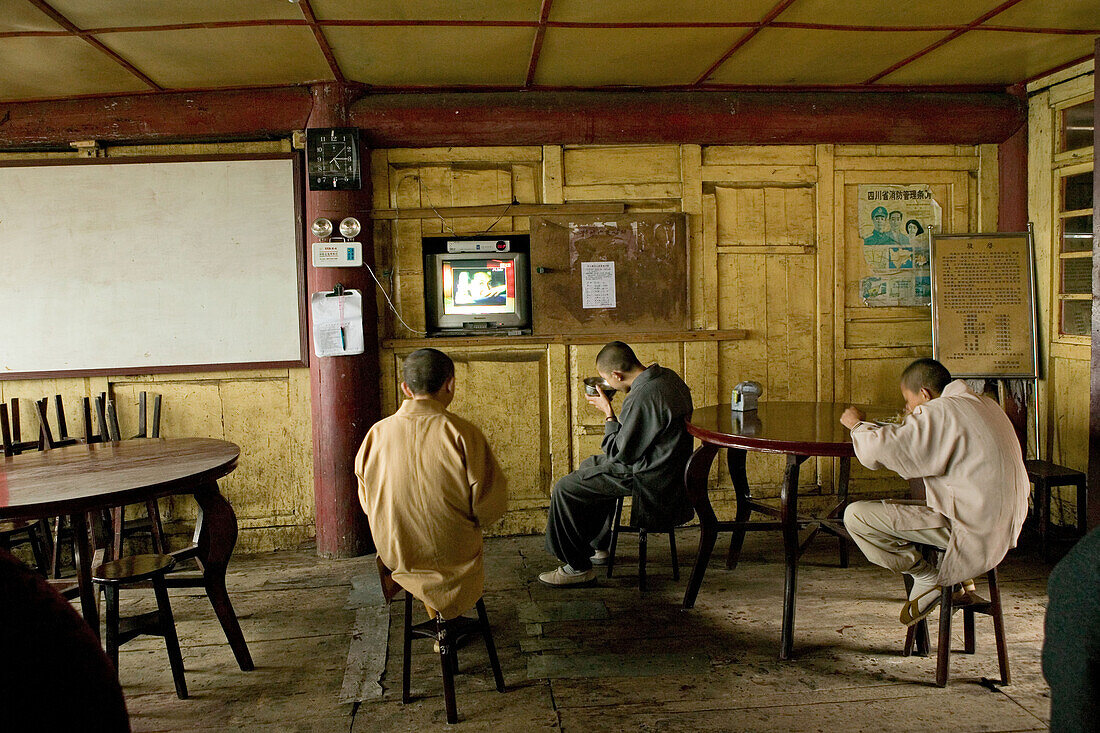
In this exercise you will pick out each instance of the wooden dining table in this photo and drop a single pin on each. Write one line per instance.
(78, 479)
(799, 430)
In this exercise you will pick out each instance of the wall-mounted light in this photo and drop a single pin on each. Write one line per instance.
(350, 227)
(321, 228)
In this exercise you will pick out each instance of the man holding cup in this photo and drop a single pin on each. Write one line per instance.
(645, 450)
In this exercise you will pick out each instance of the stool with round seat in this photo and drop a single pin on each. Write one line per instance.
(128, 571)
(633, 526)
(953, 598)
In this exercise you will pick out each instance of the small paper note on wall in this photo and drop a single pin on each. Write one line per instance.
(598, 284)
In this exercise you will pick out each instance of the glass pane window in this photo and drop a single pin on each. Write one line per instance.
(1077, 192)
(1076, 317)
(1077, 275)
(1077, 234)
(1077, 124)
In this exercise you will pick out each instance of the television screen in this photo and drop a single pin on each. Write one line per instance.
(479, 287)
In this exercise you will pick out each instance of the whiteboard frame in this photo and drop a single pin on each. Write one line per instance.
(299, 249)
(1029, 238)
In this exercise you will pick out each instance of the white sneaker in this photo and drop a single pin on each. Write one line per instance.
(599, 557)
(565, 576)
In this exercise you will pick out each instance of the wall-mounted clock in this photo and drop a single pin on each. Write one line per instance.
(332, 155)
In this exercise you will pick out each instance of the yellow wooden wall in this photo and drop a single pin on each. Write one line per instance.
(1064, 390)
(774, 249)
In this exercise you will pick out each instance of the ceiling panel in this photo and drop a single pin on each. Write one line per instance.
(992, 57)
(17, 15)
(635, 56)
(1073, 14)
(35, 68)
(523, 10)
(217, 57)
(431, 55)
(129, 13)
(879, 13)
(795, 56)
(659, 11)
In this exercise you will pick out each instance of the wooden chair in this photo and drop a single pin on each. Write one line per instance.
(16, 532)
(950, 597)
(1045, 476)
(129, 570)
(643, 532)
(18, 445)
(151, 523)
(448, 635)
(45, 433)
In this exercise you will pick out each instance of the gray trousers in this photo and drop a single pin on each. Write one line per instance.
(581, 512)
(889, 532)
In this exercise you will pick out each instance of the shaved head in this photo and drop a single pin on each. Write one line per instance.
(926, 374)
(425, 371)
(617, 357)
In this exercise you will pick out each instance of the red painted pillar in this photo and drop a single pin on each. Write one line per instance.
(344, 389)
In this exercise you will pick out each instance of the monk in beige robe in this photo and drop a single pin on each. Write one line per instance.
(429, 483)
(976, 488)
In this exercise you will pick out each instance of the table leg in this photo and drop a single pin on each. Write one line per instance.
(788, 498)
(216, 534)
(696, 476)
(83, 546)
(735, 459)
(844, 470)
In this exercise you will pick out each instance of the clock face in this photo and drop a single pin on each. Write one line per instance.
(333, 158)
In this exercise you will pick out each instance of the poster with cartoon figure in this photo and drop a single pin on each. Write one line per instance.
(894, 224)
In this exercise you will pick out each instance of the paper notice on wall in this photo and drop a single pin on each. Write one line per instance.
(895, 222)
(337, 323)
(598, 284)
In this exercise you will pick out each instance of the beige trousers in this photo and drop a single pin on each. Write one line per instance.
(889, 532)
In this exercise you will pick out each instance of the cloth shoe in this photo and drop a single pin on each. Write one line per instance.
(565, 576)
(599, 557)
(924, 596)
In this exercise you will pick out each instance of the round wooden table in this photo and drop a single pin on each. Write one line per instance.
(797, 429)
(81, 478)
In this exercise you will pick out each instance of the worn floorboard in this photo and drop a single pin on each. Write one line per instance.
(593, 659)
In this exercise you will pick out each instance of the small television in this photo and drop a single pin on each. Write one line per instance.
(477, 292)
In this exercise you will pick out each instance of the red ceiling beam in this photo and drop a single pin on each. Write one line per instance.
(538, 118)
(536, 45)
(95, 43)
(529, 118)
(234, 115)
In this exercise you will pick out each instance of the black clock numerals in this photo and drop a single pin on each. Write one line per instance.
(332, 156)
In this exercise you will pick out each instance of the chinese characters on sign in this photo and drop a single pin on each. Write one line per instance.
(895, 223)
(598, 284)
(983, 315)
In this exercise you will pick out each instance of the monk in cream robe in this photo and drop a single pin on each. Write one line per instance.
(965, 449)
(429, 483)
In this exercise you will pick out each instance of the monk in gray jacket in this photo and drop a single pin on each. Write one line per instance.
(645, 450)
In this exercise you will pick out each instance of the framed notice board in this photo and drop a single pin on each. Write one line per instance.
(624, 273)
(983, 304)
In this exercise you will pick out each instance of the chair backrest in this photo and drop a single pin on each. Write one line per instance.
(112, 422)
(148, 429)
(5, 431)
(45, 435)
(390, 587)
(62, 428)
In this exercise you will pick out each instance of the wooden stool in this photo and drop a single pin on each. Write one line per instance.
(642, 532)
(1046, 475)
(948, 606)
(135, 569)
(448, 635)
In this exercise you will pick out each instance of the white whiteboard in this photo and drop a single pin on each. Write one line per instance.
(136, 266)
